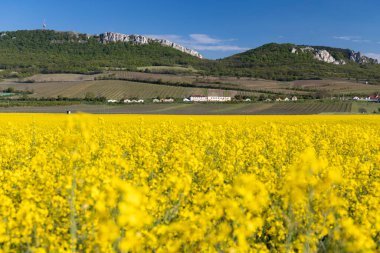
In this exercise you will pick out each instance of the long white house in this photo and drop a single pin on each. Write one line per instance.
(209, 99)
(218, 99)
(198, 99)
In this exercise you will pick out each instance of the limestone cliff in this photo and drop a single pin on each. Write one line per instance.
(325, 55)
(110, 37)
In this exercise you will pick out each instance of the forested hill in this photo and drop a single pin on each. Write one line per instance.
(50, 51)
(291, 62)
(44, 51)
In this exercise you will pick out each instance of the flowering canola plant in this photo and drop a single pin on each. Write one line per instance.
(119, 183)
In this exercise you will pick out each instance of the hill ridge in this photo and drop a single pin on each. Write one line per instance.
(27, 52)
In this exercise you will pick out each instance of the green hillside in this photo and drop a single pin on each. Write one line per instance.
(53, 52)
(275, 61)
(24, 53)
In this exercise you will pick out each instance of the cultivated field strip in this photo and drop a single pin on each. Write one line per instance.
(299, 87)
(306, 108)
(303, 108)
(115, 89)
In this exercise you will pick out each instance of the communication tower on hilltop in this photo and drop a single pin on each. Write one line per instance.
(44, 25)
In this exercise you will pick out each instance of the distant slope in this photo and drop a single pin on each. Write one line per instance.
(277, 61)
(49, 51)
(23, 53)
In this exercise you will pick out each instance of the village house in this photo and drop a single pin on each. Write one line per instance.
(294, 98)
(112, 101)
(198, 99)
(209, 99)
(163, 100)
(374, 98)
(132, 101)
(218, 99)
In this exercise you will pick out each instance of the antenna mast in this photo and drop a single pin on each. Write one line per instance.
(44, 25)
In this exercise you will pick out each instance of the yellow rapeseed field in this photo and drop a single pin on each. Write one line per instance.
(117, 183)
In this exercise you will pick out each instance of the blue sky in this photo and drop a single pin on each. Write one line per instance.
(216, 28)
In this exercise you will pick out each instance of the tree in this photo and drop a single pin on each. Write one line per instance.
(9, 90)
(89, 96)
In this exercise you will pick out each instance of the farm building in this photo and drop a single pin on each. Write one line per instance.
(209, 99)
(198, 99)
(218, 99)
(294, 98)
(163, 100)
(278, 99)
(374, 98)
(186, 100)
(133, 101)
(286, 99)
(367, 99)
(112, 101)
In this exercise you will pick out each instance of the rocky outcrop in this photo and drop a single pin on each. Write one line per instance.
(361, 59)
(116, 37)
(319, 54)
(110, 37)
(325, 56)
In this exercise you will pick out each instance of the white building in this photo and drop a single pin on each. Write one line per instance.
(186, 100)
(294, 98)
(129, 101)
(198, 99)
(286, 99)
(163, 100)
(112, 101)
(167, 100)
(218, 99)
(209, 99)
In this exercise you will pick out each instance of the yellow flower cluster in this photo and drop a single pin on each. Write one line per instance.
(112, 183)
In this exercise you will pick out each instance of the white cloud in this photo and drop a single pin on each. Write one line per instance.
(356, 39)
(220, 48)
(202, 42)
(348, 38)
(204, 39)
(373, 55)
(171, 37)
(361, 41)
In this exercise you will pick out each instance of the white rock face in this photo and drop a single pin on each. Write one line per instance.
(307, 49)
(361, 59)
(325, 56)
(141, 40)
(320, 55)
